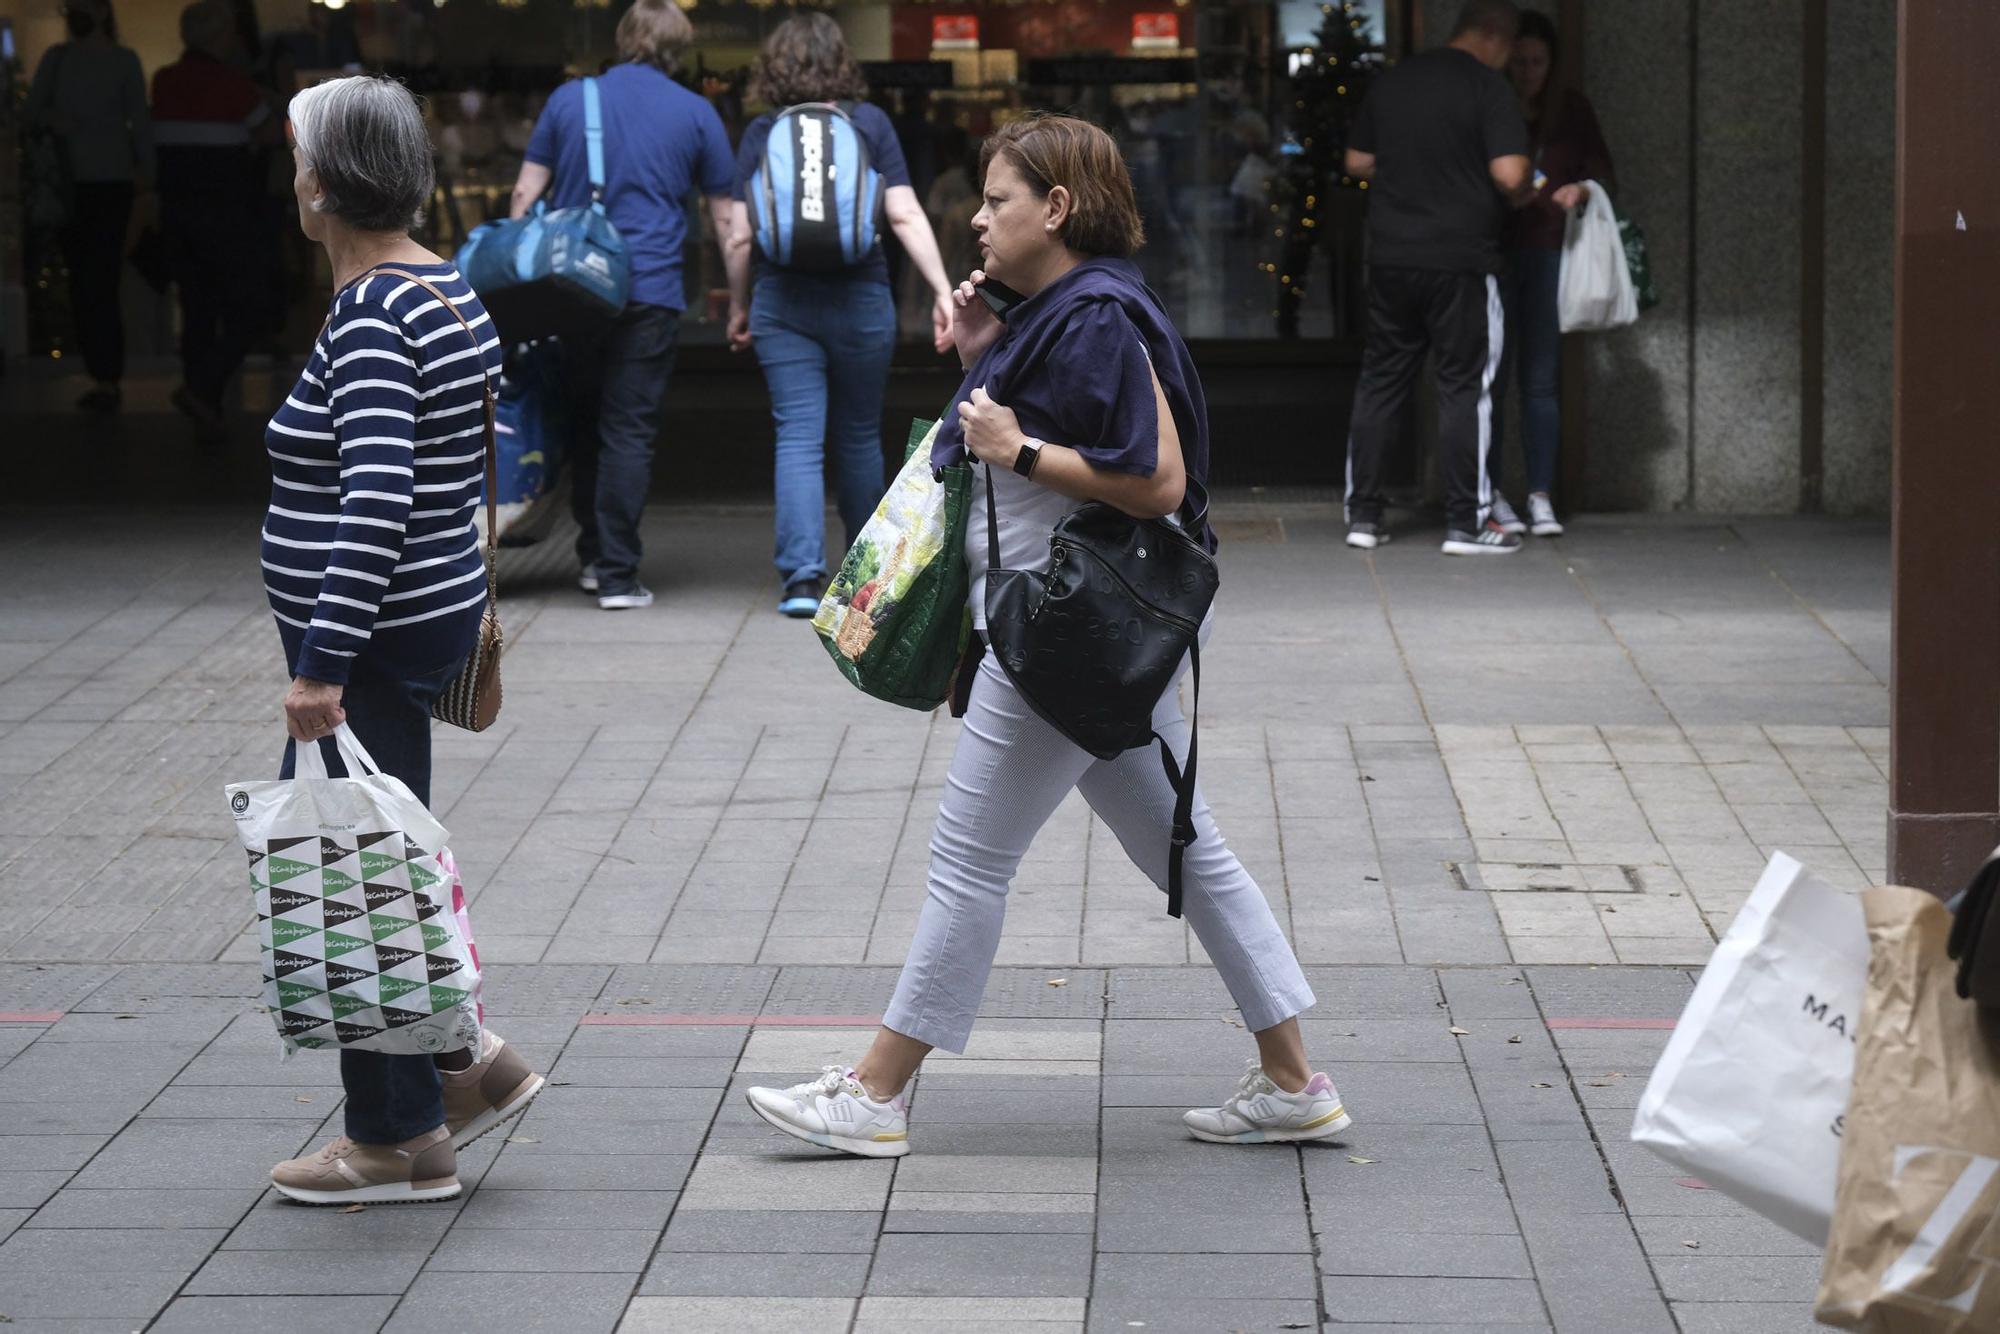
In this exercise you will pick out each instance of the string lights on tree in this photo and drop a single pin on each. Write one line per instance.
(1329, 80)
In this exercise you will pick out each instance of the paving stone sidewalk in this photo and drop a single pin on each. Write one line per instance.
(1518, 798)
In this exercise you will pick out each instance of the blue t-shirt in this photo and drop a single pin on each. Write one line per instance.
(660, 142)
(885, 154)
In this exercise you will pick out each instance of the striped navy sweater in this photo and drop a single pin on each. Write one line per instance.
(377, 468)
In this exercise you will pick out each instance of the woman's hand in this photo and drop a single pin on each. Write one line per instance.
(992, 432)
(941, 309)
(1571, 197)
(738, 329)
(312, 709)
(974, 326)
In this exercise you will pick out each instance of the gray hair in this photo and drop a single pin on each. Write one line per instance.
(364, 137)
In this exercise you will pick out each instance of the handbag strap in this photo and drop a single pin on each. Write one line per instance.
(486, 385)
(1181, 777)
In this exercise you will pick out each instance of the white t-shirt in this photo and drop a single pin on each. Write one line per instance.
(1028, 512)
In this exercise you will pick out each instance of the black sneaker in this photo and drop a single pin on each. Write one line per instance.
(103, 399)
(1366, 536)
(802, 598)
(1492, 540)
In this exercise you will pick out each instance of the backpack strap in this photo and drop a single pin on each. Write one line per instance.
(593, 139)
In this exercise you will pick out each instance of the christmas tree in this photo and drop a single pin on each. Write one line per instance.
(1328, 85)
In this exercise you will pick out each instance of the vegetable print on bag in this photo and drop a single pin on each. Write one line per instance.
(351, 879)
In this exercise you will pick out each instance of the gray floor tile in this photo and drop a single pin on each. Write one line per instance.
(259, 1315)
(752, 1274)
(555, 1303)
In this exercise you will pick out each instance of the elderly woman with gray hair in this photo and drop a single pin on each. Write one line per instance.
(373, 567)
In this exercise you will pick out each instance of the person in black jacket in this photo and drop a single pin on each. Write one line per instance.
(1445, 151)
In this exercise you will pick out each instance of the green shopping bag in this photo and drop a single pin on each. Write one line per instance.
(894, 618)
(1638, 259)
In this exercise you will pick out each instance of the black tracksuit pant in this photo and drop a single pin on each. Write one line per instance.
(1457, 316)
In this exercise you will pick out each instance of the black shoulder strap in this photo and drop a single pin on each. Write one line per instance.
(1182, 780)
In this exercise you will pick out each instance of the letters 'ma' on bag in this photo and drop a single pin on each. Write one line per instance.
(1751, 1090)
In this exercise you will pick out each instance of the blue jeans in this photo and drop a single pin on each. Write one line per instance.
(617, 384)
(389, 1098)
(1534, 347)
(824, 344)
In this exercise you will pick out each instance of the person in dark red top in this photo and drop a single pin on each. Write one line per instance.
(207, 114)
(1568, 149)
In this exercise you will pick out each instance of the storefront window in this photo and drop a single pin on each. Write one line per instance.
(1231, 115)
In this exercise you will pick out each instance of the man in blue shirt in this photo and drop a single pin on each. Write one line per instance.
(661, 142)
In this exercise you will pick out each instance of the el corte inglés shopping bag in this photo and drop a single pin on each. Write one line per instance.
(352, 883)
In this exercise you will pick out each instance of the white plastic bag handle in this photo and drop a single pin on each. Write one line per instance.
(311, 760)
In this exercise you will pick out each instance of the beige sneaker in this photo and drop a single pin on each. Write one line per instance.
(496, 1086)
(424, 1168)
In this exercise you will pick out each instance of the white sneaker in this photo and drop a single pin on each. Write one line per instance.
(1260, 1112)
(1503, 514)
(586, 579)
(1542, 516)
(835, 1112)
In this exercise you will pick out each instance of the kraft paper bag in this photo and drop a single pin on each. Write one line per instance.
(1749, 1093)
(1916, 1223)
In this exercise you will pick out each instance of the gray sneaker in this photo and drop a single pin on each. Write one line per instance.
(1366, 536)
(1503, 514)
(638, 595)
(1492, 540)
(1542, 516)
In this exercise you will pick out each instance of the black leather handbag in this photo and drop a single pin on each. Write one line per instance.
(1975, 936)
(1092, 644)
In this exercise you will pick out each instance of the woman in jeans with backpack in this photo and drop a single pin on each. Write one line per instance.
(821, 315)
(1102, 404)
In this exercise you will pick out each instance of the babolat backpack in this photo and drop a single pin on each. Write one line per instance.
(814, 198)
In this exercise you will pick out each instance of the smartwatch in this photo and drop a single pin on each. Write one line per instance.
(1029, 455)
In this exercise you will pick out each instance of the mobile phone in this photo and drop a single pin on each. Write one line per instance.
(999, 297)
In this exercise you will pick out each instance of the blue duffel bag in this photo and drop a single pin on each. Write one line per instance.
(552, 272)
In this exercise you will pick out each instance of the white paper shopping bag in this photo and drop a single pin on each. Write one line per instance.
(1751, 1093)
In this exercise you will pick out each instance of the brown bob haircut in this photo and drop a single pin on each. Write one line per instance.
(1062, 150)
(654, 32)
(805, 59)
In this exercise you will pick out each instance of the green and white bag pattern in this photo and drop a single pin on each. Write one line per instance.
(350, 876)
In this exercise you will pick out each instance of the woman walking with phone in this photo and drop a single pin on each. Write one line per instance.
(1084, 393)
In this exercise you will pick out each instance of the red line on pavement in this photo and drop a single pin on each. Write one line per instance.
(733, 1020)
(30, 1016)
(1613, 1023)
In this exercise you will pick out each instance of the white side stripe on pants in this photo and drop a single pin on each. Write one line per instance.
(1496, 342)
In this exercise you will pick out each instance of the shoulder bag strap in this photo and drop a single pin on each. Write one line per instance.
(992, 522)
(593, 140)
(486, 385)
(1182, 779)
